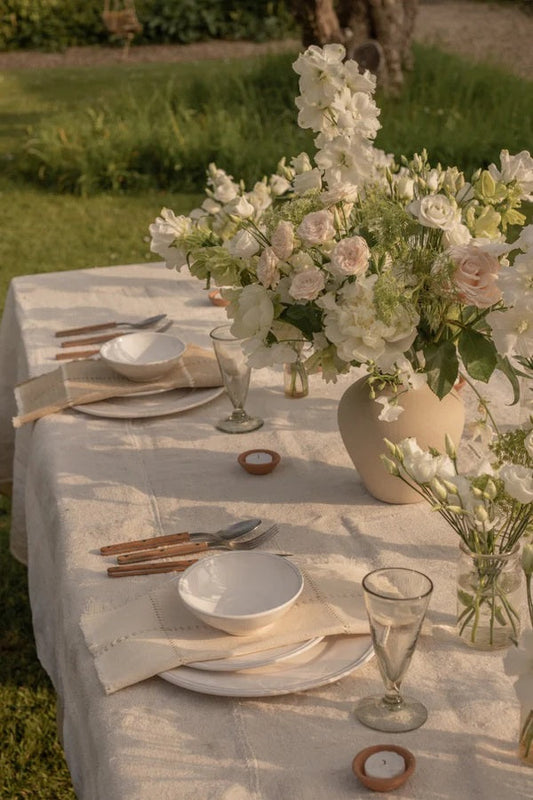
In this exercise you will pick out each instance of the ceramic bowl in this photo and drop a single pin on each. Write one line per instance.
(241, 592)
(143, 356)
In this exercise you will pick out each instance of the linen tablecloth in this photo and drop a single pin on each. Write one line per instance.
(81, 481)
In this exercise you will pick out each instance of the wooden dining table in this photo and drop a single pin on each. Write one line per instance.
(83, 479)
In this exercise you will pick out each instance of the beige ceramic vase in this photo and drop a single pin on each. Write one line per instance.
(425, 417)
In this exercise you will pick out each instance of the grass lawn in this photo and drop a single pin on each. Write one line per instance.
(84, 129)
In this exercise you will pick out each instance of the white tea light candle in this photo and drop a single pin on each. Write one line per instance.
(259, 457)
(384, 764)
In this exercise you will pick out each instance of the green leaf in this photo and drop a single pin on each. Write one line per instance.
(442, 367)
(504, 365)
(465, 599)
(478, 354)
(307, 318)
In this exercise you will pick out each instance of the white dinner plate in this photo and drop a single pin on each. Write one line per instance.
(153, 405)
(328, 661)
(252, 660)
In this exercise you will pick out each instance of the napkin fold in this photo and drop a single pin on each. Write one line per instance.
(155, 632)
(87, 381)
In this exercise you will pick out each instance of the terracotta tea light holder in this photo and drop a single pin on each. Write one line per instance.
(216, 298)
(383, 767)
(259, 462)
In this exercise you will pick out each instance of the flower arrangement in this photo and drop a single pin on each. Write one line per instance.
(404, 269)
(491, 510)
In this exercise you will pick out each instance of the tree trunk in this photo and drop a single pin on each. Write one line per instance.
(376, 33)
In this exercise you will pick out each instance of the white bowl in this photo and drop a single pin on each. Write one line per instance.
(143, 356)
(240, 592)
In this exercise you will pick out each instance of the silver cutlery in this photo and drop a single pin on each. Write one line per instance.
(145, 323)
(187, 548)
(230, 532)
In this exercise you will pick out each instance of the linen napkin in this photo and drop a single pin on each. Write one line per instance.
(156, 632)
(87, 381)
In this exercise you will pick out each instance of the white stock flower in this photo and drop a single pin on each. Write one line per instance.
(252, 312)
(307, 284)
(267, 268)
(518, 482)
(350, 256)
(435, 211)
(163, 232)
(517, 168)
(321, 71)
(316, 228)
(242, 245)
(282, 240)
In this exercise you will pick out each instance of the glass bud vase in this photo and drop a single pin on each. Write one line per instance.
(525, 744)
(295, 379)
(489, 594)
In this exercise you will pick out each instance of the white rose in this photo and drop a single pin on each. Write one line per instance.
(242, 245)
(252, 312)
(282, 240)
(267, 268)
(518, 482)
(307, 285)
(316, 228)
(350, 257)
(435, 211)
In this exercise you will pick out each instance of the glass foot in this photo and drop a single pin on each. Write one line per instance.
(375, 713)
(239, 424)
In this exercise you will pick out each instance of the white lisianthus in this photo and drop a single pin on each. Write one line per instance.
(405, 187)
(301, 163)
(512, 328)
(517, 282)
(243, 244)
(517, 168)
(390, 411)
(239, 207)
(518, 482)
(267, 268)
(282, 240)
(307, 284)
(418, 463)
(316, 228)
(435, 211)
(260, 197)
(339, 193)
(252, 312)
(164, 231)
(350, 256)
(210, 206)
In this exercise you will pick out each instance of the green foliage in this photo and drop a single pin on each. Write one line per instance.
(56, 24)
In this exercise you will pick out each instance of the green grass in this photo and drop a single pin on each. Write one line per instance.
(242, 115)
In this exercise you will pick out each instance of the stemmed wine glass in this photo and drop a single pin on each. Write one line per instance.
(396, 601)
(236, 376)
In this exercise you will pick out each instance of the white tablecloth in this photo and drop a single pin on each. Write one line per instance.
(82, 481)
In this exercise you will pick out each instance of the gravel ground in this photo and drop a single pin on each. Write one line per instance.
(500, 34)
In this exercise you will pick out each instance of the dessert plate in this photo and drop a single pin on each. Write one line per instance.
(142, 405)
(330, 660)
(252, 660)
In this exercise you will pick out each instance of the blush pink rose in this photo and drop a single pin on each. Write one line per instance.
(316, 228)
(476, 276)
(350, 257)
(307, 284)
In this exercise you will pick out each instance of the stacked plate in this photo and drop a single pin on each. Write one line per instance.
(294, 668)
